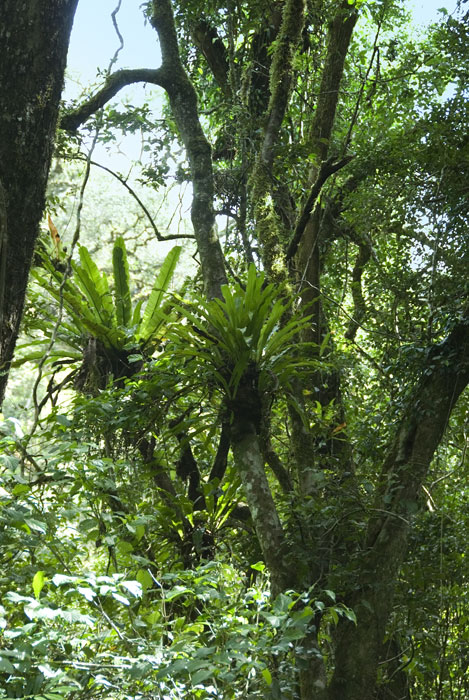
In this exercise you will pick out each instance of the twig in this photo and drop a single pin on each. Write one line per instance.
(116, 28)
(159, 236)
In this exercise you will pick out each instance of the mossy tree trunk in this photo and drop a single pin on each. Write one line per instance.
(34, 38)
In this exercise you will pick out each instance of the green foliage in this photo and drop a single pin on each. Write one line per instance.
(87, 298)
(132, 564)
(209, 629)
(250, 330)
(103, 330)
(122, 299)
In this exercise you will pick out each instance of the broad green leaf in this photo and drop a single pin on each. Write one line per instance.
(72, 616)
(152, 316)
(98, 279)
(39, 581)
(86, 592)
(350, 615)
(202, 675)
(177, 592)
(120, 598)
(96, 305)
(110, 337)
(63, 579)
(134, 587)
(121, 282)
(6, 666)
(267, 676)
(260, 566)
(273, 620)
(137, 314)
(35, 524)
(145, 579)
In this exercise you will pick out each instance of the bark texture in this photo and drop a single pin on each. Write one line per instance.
(249, 461)
(263, 194)
(307, 232)
(183, 101)
(34, 38)
(443, 380)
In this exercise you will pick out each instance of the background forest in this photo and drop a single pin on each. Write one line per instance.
(233, 448)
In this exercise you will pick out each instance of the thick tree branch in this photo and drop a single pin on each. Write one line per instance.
(444, 378)
(250, 464)
(34, 39)
(281, 75)
(188, 470)
(163, 482)
(3, 248)
(359, 310)
(206, 38)
(263, 194)
(340, 33)
(327, 168)
(421, 429)
(221, 457)
(246, 445)
(183, 102)
(275, 463)
(70, 121)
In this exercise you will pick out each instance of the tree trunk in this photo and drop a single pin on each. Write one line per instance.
(34, 39)
(417, 437)
(249, 462)
(183, 100)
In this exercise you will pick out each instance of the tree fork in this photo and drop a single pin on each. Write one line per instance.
(421, 429)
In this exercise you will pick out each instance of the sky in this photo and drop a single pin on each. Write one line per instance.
(93, 43)
(94, 40)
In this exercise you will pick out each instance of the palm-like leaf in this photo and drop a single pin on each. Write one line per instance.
(153, 318)
(121, 283)
(252, 328)
(98, 280)
(95, 306)
(88, 303)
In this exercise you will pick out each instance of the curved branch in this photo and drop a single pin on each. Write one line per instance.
(221, 458)
(183, 101)
(281, 75)
(3, 248)
(359, 310)
(172, 77)
(328, 168)
(416, 439)
(275, 463)
(340, 34)
(113, 83)
(159, 236)
(208, 41)
(263, 195)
